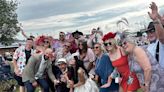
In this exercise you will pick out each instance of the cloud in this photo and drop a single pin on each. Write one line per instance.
(32, 9)
(63, 15)
(81, 17)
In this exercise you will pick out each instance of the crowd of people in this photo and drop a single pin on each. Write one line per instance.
(112, 62)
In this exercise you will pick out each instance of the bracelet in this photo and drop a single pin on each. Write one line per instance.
(145, 84)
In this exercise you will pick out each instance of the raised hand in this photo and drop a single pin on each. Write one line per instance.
(154, 11)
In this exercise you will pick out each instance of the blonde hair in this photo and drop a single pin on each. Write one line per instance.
(114, 41)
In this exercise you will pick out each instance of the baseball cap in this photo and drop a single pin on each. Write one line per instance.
(61, 61)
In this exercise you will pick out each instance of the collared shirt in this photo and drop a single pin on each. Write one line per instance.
(98, 60)
(20, 56)
(42, 68)
(57, 44)
(152, 49)
(90, 57)
(61, 55)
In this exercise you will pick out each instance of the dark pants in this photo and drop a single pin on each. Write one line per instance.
(51, 85)
(57, 72)
(42, 82)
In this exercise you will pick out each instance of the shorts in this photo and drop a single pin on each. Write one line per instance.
(19, 80)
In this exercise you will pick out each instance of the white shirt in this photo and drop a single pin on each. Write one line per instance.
(42, 67)
(90, 57)
(152, 49)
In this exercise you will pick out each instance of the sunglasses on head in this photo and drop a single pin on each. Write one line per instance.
(106, 44)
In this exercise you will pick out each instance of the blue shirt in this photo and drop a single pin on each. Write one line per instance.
(103, 69)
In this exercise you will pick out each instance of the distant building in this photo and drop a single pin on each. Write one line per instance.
(11, 48)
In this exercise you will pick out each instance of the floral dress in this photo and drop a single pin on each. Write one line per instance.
(157, 79)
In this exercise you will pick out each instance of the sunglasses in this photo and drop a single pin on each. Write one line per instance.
(46, 41)
(106, 44)
(96, 47)
(61, 35)
(123, 43)
(67, 46)
(79, 44)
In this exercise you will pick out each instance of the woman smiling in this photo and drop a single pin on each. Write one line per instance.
(119, 60)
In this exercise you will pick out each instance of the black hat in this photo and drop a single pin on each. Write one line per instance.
(139, 34)
(150, 27)
(77, 32)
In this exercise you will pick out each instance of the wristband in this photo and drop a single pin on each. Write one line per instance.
(146, 84)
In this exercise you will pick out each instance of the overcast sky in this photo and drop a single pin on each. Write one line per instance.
(51, 16)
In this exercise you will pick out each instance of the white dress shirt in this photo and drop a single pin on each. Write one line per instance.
(152, 49)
